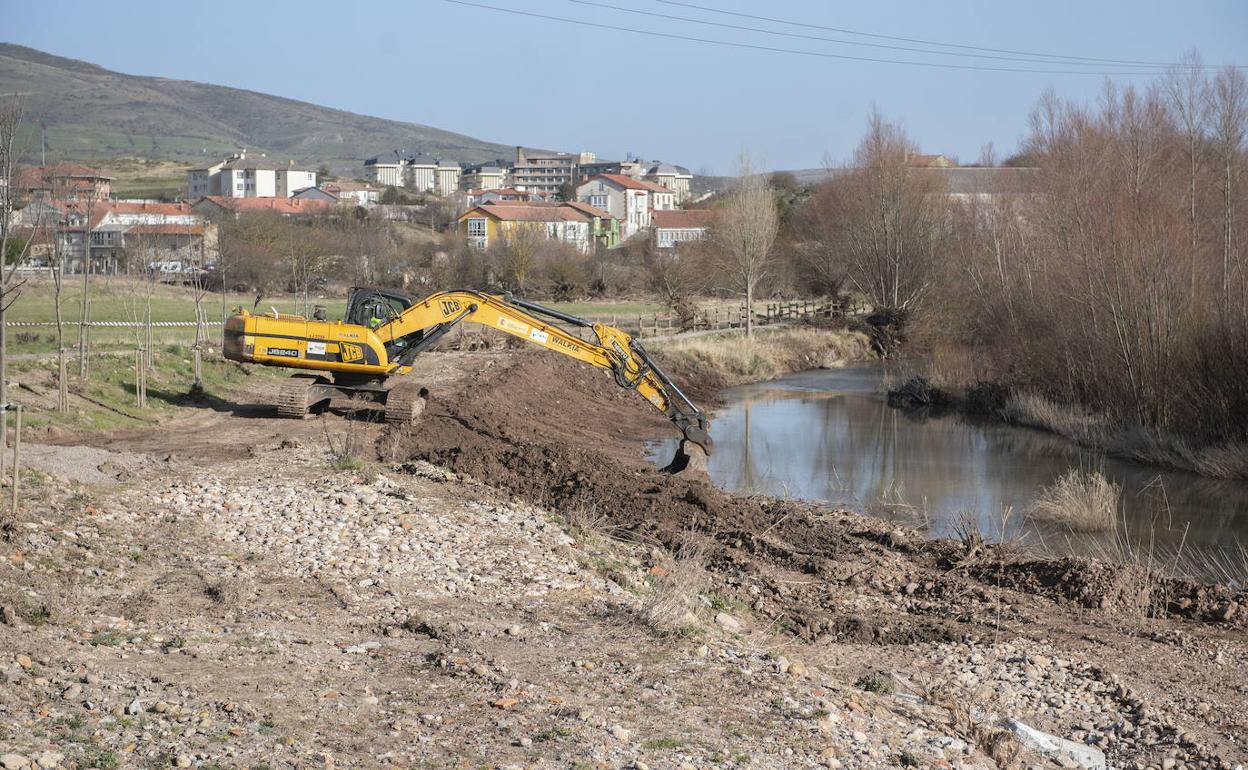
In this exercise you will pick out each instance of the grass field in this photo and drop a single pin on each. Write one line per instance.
(107, 402)
(145, 177)
(115, 298)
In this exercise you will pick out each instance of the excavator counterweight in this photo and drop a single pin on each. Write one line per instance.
(367, 354)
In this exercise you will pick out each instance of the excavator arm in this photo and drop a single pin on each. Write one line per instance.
(425, 322)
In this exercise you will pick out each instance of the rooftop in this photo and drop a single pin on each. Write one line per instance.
(683, 219)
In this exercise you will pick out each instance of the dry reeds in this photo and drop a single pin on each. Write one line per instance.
(770, 354)
(676, 585)
(1079, 501)
(1220, 461)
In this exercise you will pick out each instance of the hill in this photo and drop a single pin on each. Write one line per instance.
(91, 113)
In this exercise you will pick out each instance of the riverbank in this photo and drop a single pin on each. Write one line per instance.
(994, 400)
(820, 578)
(707, 365)
(509, 583)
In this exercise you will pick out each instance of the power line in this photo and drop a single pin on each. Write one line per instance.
(795, 51)
(832, 39)
(809, 25)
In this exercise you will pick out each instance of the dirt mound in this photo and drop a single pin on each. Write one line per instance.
(565, 437)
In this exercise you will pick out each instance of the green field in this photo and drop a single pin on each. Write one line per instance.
(115, 298)
(106, 401)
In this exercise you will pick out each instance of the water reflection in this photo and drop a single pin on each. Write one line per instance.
(829, 435)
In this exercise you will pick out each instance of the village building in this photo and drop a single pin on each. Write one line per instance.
(675, 227)
(420, 172)
(241, 176)
(624, 198)
(65, 180)
(493, 224)
(484, 176)
(673, 177)
(216, 207)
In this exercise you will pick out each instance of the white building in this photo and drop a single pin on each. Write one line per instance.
(418, 172)
(674, 178)
(624, 198)
(486, 176)
(240, 176)
(672, 228)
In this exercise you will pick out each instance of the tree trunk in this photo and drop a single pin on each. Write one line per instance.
(749, 310)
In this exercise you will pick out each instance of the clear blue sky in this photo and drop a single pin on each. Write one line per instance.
(543, 83)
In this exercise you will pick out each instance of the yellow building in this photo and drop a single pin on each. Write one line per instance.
(494, 222)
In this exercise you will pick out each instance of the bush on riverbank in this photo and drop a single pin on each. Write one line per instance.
(1079, 501)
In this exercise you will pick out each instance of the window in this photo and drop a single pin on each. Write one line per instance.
(598, 201)
(477, 228)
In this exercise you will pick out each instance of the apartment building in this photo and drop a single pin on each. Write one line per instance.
(547, 172)
(418, 171)
(484, 176)
(241, 176)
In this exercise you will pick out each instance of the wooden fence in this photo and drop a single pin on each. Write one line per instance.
(662, 324)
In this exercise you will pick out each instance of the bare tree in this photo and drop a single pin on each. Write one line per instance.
(12, 112)
(1230, 123)
(745, 234)
(518, 252)
(1187, 90)
(84, 332)
(56, 269)
(891, 219)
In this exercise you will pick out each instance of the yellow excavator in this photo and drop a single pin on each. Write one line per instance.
(385, 330)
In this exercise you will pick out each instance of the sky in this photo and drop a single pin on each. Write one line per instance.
(542, 82)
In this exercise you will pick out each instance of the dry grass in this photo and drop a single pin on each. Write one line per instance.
(772, 353)
(1080, 501)
(1219, 461)
(676, 586)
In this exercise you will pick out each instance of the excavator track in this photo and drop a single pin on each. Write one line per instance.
(294, 400)
(404, 403)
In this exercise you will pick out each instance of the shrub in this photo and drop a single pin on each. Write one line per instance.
(1080, 501)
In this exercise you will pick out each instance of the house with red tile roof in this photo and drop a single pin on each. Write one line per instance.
(216, 206)
(122, 235)
(65, 180)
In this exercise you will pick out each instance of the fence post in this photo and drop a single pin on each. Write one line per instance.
(640, 328)
(17, 455)
(62, 385)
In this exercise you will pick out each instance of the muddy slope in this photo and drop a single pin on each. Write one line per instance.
(565, 437)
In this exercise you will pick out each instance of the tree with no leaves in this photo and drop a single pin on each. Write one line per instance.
(890, 219)
(745, 234)
(11, 114)
(519, 251)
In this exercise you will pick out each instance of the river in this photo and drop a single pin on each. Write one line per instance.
(829, 435)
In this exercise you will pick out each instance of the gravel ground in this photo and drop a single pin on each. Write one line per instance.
(268, 611)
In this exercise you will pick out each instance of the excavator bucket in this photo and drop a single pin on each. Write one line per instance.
(692, 452)
(690, 458)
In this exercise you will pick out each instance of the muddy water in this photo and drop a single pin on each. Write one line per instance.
(829, 435)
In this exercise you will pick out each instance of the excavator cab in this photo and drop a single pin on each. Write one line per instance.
(372, 307)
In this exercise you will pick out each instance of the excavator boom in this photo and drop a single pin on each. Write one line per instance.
(385, 331)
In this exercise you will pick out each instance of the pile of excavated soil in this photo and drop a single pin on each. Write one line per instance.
(565, 437)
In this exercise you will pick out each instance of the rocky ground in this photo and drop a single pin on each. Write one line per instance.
(227, 594)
